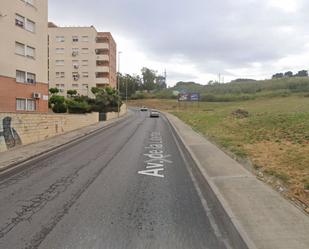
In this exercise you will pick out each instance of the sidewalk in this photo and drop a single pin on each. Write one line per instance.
(22, 154)
(264, 219)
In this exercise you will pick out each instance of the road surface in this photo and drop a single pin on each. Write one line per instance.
(126, 187)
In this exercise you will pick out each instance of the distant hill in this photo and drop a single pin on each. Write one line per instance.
(188, 86)
(243, 80)
(241, 89)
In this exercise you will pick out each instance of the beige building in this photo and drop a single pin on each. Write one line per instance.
(23, 56)
(80, 58)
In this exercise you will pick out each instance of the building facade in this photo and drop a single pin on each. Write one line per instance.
(23, 56)
(80, 58)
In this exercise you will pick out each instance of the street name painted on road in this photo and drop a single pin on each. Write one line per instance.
(155, 158)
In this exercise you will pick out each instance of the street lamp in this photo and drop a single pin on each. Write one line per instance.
(118, 82)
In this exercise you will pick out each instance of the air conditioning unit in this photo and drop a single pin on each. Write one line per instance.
(76, 77)
(36, 95)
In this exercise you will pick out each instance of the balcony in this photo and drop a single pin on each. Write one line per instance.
(102, 69)
(102, 57)
(102, 63)
(102, 85)
(102, 51)
(100, 39)
(102, 46)
(102, 81)
(102, 77)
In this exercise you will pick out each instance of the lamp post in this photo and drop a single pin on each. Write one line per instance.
(118, 82)
(127, 91)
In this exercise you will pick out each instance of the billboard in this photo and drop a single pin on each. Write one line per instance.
(190, 97)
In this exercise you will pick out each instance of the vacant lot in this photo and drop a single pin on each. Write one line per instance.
(272, 133)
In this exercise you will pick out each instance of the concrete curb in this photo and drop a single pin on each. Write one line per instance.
(19, 165)
(223, 214)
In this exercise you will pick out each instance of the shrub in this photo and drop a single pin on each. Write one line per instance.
(56, 99)
(78, 107)
(57, 103)
(71, 93)
(54, 90)
(59, 108)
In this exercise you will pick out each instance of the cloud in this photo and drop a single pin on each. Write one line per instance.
(207, 35)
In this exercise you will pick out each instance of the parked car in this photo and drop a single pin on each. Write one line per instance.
(144, 109)
(154, 114)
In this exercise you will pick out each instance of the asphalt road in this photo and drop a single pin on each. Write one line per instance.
(126, 187)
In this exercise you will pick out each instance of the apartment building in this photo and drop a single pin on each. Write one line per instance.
(23, 56)
(80, 58)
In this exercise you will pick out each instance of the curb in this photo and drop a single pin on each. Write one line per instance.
(21, 164)
(223, 214)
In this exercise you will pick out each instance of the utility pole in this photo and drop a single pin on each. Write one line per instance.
(118, 83)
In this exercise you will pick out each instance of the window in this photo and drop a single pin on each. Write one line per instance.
(19, 48)
(85, 86)
(25, 77)
(85, 50)
(19, 21)
(59, 50)
(75, 85)
(75, 38)
(31, 78)
(20, 76)
(30, 52)
(60, 74)
(60, 38)
(30, 105)
(30, 25)
(85, 74)
(60, 87)
(25, 105)
(20, 104)
(85, 38)
(85, 63)
(59, 62)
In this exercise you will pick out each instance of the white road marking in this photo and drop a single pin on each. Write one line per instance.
(155, 158)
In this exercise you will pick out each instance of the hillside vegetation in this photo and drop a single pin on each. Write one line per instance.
(240, 90)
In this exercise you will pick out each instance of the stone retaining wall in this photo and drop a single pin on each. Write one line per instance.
(21, 129)
(113, 115)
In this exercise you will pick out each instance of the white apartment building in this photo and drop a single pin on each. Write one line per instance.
(80, 58)
(23, 56)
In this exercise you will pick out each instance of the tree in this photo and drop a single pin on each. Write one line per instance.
(302, 73)
(161, 82)
(278, 76)
(288, 74)
(128, 85)
(106, 99)
(149, 77)
(54, 90)
(71, 93)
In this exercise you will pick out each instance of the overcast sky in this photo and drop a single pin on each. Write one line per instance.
(198, 39)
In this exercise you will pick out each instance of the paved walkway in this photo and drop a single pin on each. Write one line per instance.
(23, 153)
(265, 218)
